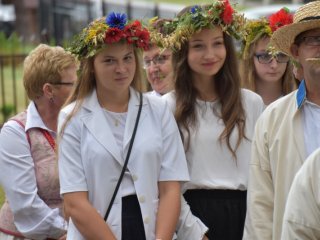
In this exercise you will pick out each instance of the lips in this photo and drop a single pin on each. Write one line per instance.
(121, 79)
(208, 64)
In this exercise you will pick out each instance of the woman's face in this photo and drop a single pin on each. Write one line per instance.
(114, 68)
(159, 69)
(267, 72)
(64, 87)
(207, 52)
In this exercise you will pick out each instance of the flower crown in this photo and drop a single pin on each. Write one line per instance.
(107, 30)
(158, 27)
(255, 29)
(181, 28)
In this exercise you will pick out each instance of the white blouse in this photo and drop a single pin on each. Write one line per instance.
(211, 164)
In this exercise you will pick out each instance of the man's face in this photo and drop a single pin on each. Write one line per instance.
(308, 46)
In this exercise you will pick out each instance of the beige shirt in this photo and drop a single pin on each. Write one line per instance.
(278, 152)
(302, 214)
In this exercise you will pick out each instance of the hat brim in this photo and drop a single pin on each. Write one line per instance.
(284, 37)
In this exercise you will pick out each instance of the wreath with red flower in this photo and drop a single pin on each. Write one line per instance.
(281, 18)
(180, 29)
(108, 30)
(255, 29)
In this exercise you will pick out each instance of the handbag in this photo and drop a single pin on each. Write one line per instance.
(126, 160)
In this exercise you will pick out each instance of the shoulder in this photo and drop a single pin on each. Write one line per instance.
(280, 106)
(277, 114)
(312, 164)
(155, 103)
(170, 99)
(250, 97)
(252, 102)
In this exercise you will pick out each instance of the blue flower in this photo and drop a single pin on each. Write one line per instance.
(116, 20)
(194, 9)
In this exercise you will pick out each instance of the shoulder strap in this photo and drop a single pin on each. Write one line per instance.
(126, 161)
(23, 126)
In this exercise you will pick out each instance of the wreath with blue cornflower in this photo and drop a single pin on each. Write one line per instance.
(180, 29)
(108, 30)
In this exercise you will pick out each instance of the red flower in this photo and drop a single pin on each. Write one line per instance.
(143, 38)
(226, 15)
(136, 24)
(113, 35)
(280, 18)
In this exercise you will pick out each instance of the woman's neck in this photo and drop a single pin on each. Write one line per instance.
(114, 101)
(48, 113)
(206, 88)
(269, 91)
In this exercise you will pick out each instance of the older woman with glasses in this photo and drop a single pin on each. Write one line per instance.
(28, 162)
(157, 63)
(263, 70)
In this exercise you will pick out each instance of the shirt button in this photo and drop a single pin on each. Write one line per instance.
(142, 199)
(146, 220)
(134, 177)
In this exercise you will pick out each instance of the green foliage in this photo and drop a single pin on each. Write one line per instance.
(13, 44)
(7, 110)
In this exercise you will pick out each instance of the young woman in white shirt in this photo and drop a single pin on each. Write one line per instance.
(215, 116)
(97, 127)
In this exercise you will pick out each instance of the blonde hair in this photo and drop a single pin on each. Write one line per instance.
(43, 65)
(249, 75)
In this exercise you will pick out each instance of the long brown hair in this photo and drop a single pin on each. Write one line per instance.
(227, 86)
(86, 83)
(249, 74)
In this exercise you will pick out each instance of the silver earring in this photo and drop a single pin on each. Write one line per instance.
(51, 100)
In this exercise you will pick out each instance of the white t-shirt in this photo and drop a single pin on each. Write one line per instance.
(311, 126)
(211, 164)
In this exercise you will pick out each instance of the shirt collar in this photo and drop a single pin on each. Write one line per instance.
(34, 119)
(301, 94)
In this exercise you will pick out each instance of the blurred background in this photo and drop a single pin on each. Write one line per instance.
(26, 23)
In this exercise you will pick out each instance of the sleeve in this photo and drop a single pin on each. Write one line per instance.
(32, 216)
(302, 214)
(260, 195)
(174, 163)
(189, 226)
(71, 170)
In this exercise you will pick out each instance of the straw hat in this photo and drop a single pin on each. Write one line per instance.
(306, 18)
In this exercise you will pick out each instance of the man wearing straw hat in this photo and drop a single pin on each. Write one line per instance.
(288, 131)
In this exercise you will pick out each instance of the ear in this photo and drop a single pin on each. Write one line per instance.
(294, 51)
(48, 90)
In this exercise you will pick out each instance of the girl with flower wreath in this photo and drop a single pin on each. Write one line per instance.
(215, 116)
(110, 129)
(263, 70)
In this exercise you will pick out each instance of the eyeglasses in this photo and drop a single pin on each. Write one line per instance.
(265, 58)
(157, 60)
(309, 40)
(64, 83)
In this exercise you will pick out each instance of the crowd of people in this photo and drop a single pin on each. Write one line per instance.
(164, 131)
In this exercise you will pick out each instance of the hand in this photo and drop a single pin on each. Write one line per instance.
(64, 237)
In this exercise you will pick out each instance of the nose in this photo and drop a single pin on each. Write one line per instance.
(209, 53)
(273, 63)
(120, 68)
(154, 67)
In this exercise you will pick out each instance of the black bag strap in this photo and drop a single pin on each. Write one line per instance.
(126, 161)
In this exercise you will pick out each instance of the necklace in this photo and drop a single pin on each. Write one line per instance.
(117, 119)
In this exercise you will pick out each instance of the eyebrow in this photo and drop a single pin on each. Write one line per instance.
(199, 40)
(109, 56)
